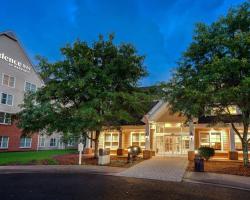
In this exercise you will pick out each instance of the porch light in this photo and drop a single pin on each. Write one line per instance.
(195, 152)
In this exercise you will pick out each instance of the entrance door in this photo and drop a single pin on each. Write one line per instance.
(172, 144)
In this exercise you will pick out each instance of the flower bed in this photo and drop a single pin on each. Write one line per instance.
(116, 161)
(223, 167)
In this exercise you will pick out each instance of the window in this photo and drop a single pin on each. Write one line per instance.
(42, 141)
(25, 142)
(111, 140)
(52, 142)
(6, 99)
(29, 87)
(72, 142)
(138, 139)
(211, 139)
(5, 118)
(238, 144)
(4, 142)
(8, 80)
(215, 140)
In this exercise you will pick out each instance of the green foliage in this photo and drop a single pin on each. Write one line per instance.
(214, 72)
(94, 87)
(206, 152)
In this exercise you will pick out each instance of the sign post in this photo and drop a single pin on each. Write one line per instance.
(80, 149)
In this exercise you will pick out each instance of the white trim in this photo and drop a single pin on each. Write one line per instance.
(53, 138)
(8, 138)
(209, 133)
(24, 88)
(9, 78)
(140, 132)
(4, 123)
(8, 94)
(26, 147)
(111, 142)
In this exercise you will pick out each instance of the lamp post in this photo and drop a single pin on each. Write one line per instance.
(80, 149)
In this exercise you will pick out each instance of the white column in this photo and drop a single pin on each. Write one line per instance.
(87, 142)
(232, 139)
(147, 135)
(120, 139)
(191, 136)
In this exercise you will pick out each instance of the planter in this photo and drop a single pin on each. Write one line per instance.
(233, 155)
(191, 155)
(147, 154)
(87, 151)
(120, 152)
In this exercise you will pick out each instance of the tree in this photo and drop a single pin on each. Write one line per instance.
(214, 73)
(95, 87)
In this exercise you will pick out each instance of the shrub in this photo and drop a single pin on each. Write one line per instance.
(206, 152)
(134, 151)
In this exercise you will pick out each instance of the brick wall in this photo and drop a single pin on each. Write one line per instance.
(14, 135)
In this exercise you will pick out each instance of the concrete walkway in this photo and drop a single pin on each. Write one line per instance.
(158, 168)
(226, 180)
(67, 169)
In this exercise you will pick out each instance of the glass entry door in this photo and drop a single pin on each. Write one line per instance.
(172, 144)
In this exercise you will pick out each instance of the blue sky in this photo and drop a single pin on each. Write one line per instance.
(160, 29)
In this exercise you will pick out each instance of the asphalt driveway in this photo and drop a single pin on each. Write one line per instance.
(159, 168)
(60, 186)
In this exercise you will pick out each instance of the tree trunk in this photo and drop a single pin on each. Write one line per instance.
(245, 153)
(97, 134)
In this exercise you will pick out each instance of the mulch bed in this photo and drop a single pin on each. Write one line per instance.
(223, 167)
(115, 161)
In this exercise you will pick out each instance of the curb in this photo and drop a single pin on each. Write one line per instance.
(214, 184)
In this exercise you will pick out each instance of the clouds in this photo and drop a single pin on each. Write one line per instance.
(160, 29)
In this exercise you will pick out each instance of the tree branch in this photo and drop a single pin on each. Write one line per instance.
(236, 131)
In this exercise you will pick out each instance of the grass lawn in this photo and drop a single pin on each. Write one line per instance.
(33, 157)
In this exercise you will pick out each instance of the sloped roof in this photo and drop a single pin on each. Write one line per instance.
(138, 118)
(216, 119)
(10, 35)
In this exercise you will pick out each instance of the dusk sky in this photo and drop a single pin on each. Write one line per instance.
(160, 29)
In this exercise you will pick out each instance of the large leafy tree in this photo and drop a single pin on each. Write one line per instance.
(214, 73)
(94, 87)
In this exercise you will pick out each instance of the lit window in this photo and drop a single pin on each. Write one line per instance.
(8, 80)
(29, 87)
(4, 142)
(238, 144)
(138, 139)
(5, 118)
(111, 140)
(215, 140)
(25, 142)
(52, 142)
(6, 99)
(211, 139)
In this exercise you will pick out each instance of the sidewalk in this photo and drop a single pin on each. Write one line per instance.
(233, 181)
(61, 169)
(158, 168)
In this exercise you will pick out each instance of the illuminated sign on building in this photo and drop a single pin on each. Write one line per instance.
(15, 63)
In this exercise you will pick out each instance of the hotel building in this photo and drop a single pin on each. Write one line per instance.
(158, 130)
